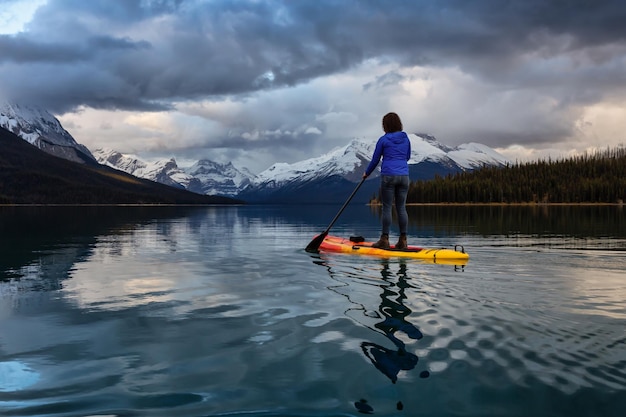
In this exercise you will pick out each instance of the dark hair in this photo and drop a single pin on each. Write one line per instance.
(392, 123)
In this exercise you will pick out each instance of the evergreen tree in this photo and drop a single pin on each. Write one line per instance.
(595, 178)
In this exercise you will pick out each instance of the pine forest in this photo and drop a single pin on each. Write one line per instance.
(590, 178)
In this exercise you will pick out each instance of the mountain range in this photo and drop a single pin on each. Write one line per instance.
(203, 177)
(324, 179)
(64, 172)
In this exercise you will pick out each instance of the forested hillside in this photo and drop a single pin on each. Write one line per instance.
(597, 178)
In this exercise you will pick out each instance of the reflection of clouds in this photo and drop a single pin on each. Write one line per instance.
(192, 261)
(602, 293)
(120, 281)
(137, 265)
(15, 376)
(328, 336)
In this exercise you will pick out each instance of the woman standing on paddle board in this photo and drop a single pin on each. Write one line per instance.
(394, 148)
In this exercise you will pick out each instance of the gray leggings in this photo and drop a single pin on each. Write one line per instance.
(394, 187)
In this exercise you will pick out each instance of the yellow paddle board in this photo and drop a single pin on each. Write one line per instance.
(358, 246)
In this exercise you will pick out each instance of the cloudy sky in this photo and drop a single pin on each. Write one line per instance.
(262, 81)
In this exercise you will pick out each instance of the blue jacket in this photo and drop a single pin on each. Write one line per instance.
(395, 149)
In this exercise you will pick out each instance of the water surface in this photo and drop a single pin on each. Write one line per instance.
(219, 311)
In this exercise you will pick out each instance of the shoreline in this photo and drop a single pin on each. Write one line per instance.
(505, 204)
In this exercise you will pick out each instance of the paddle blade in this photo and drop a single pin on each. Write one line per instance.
(314, 245)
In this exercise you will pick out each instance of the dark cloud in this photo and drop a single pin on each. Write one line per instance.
(143, 53)
(20, 50)
(390, 78)
(526, 66)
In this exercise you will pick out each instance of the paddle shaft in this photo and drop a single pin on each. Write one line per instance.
(314, 245)
(344, 206)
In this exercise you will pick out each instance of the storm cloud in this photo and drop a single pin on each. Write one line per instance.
(307, 75)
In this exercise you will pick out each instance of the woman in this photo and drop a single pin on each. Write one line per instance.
(395, 149)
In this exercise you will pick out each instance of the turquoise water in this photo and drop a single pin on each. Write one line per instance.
(220, 311)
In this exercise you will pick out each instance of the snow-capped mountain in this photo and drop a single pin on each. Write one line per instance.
(467, 156)
(204, 177)
(324, 179)
(164, 171)
(41, 129)
(344, 161)
(220, 179)
(313, 179)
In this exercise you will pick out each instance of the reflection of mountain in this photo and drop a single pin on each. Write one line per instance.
(49, 241)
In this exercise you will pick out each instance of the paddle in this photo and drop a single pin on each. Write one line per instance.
(314, 245)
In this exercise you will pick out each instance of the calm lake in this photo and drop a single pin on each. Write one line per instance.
(165, 311)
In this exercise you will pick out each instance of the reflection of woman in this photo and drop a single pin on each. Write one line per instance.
(388, 361)
(394, 313)
(391, 362)
(395, 149)
(394, 310)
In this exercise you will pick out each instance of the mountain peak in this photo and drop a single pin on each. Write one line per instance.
(38, 127)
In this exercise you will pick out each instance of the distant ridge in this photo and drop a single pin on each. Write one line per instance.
(31, 176)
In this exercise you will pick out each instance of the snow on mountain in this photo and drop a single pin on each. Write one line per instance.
(468, 156)
(41, 129)
(342, 161)
(351, 160)
(204, 177)
(474, 155)
(126, 163)
(164, 171)
(425, 147)
(219, 179)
